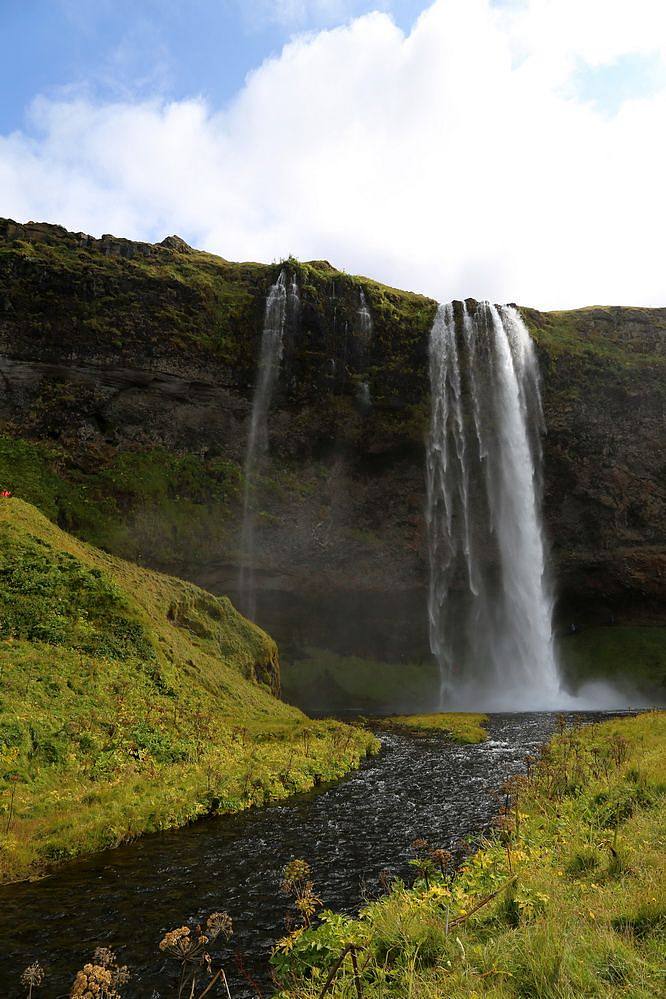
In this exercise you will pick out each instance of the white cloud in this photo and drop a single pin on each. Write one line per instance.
(455, 161)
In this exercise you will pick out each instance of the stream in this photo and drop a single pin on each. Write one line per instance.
(126, 899)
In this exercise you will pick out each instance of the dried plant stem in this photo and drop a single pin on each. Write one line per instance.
(357, 979)
(334, 970)
(479, 905)
(226, 984)
(349, 949)
(211, 983)
(181, 983)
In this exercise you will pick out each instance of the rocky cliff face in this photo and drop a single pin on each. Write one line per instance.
(128, 372)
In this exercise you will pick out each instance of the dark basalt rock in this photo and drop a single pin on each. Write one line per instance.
(115, 353)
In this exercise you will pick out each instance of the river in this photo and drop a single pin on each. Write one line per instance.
(418, 786)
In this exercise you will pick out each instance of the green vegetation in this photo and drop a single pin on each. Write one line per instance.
(599, 351)
(593, 332)
(343, 682)
(174, 298)
(566, 899)
(131, 701)
(129, 502)
(178, 311)
(463, 727)
(187, 298)
(632, 658)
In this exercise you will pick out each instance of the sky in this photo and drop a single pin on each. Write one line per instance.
(513, 150)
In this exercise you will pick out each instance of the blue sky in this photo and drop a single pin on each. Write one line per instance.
(129, 49)
(132, 48)
(505, 149)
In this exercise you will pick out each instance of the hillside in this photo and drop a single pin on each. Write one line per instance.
(128, 377)
(132, 701)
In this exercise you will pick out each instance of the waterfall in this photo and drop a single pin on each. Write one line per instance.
(489, 600)
(363, 397)
(293, 300)
(279, 298)
(364, 318)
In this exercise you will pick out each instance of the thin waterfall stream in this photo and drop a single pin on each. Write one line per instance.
(282, 298)
(489, 599)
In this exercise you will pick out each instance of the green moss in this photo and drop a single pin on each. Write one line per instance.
(132, 701)
(186, 298)
(50, 596)
(597, 348)
(462, 727)
(127, 502)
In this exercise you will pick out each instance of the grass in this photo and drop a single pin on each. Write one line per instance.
(463, 727)
(567, 899)
(594, 336)
(131, 701)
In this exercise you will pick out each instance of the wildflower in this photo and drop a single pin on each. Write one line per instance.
(94, 982)
(419, 845)
(307, 902)
(105, 957)
(177, 943)
(294, 872)
(442, 858)
(101, 978)
(219, 923)
(296, 881)
(286, 944)
(32, 977)
(189, 947)
(183, 945)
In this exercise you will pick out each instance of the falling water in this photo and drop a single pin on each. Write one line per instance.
(364, 318)
(279, 298)
(489, 603)
(363, 397)
(293, 300)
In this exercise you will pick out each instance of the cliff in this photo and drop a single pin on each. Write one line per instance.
(128, 371)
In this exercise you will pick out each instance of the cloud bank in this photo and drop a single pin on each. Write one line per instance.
(458, 160)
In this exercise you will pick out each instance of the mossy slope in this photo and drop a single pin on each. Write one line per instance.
(132, 701)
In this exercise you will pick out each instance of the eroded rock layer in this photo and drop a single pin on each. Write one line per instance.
(127, 378)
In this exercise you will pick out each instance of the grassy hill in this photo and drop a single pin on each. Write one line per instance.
(133, 701)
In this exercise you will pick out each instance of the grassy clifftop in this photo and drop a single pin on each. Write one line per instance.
(164, 301)
(132, 701)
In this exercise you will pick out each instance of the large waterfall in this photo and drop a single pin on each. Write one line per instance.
(489, 603)
(280, 297)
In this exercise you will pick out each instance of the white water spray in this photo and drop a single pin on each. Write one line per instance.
(293, 300)
(489, 601)
(275, 315)
(364, 319)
